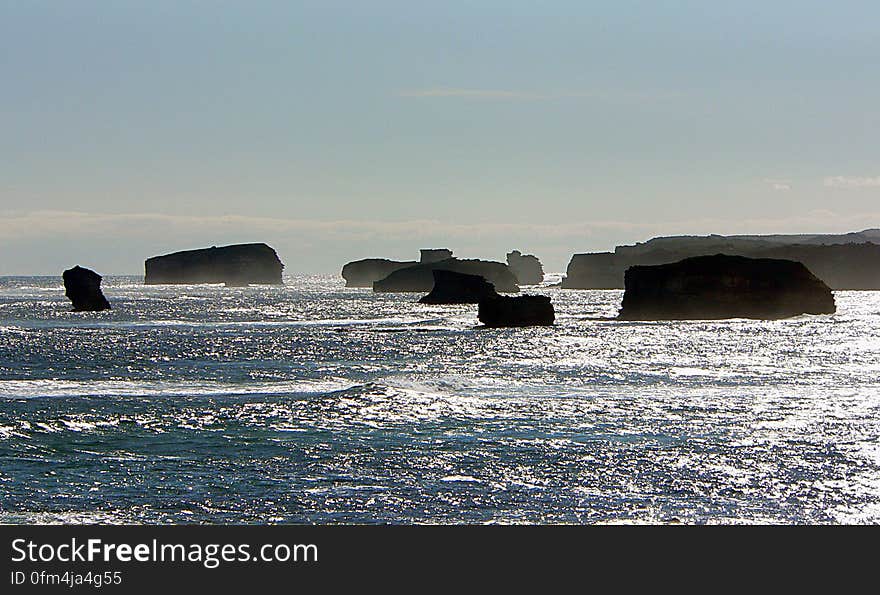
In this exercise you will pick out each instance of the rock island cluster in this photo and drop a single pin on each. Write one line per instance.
(666, 278)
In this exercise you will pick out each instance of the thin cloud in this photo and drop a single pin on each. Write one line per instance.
(16, 226)
(473, 93)
(779, 185)
(851, 182)
(520, 95)
(38, 224)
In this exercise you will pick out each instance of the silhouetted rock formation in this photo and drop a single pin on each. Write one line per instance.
(83, 288)
(841, 266)
(458, 288)
(846, 261)
(236, 265)
(723, 286)
(420, 277)
(599, 270)
(526, 268)
(523, 310)
(428, 255)
(494, 310)
(363, 273)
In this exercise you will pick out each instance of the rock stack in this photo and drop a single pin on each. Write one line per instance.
(83, 287)
(723, 286)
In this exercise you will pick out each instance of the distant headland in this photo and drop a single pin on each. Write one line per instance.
(843, 261)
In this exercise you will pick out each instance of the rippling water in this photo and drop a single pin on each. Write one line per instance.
(316, 403)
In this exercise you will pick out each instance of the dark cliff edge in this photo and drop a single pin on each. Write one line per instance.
(847, 261)
(723, 286)
(363, 273)
(598, 270)
(420, 277)
(457, 288)
(83, 288)
(235, 265)
(521, 310)
(526, 267)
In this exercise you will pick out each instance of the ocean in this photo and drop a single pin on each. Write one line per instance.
(315, 403)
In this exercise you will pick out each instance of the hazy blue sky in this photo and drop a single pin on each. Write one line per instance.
(339, 130)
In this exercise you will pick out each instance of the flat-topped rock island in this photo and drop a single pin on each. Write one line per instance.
(724, 286)
(235, 265)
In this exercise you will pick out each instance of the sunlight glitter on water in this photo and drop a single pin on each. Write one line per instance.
(316, 403)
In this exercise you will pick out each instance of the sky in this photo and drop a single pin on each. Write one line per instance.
(341, 130)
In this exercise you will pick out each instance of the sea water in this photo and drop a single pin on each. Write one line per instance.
(315, 403)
